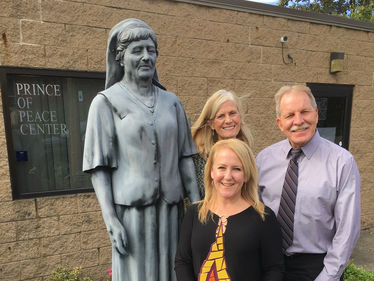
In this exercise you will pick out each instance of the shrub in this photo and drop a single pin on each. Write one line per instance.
(354, 273)
(64, 274)
(110, 274)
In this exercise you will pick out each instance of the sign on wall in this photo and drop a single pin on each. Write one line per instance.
(45, 131)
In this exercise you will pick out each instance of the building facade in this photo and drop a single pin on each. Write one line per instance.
(204, 46)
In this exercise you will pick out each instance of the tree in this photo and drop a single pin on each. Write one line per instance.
(354, 9)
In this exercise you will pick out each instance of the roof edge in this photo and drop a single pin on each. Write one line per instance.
(289, 13)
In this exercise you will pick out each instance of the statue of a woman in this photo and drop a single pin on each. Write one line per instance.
(138, 149)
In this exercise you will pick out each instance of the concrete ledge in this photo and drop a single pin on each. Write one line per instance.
(363, 254)
(271, 10)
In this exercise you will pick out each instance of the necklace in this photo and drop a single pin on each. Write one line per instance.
(148, 102)
(222, 222)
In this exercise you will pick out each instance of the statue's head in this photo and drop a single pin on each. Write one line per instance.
(120, 37)
(132, 30)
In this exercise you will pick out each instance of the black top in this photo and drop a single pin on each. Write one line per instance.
(199, 163)
(252, 246)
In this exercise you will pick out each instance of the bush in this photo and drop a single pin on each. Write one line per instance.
(64, 274)
(354, 273)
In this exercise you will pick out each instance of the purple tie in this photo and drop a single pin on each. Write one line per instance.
(288, 200)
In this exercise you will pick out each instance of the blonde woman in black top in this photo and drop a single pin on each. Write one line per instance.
(230, 235)
(221, 118)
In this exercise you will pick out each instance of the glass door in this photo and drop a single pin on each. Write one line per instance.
(334, 110)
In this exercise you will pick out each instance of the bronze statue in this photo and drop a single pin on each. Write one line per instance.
(138, 149)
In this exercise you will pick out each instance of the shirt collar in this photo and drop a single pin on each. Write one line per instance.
(312, 145)
(120, 101)
(308, 149)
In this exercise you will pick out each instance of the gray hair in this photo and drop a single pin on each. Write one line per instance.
(135, 34)
(286, 89)
(121, 35)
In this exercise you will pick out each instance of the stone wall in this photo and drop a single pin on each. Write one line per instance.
(201, 50)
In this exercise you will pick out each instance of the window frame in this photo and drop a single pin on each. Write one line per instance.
(337, 91)
(5, 71)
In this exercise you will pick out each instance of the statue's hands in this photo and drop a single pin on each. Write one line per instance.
(117, 234)
(102, 180)
(194, 196)
(187, 170)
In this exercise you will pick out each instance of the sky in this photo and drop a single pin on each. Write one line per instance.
(271, 2)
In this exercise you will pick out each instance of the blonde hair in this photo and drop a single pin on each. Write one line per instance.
(249, 190)
(202, 133)
(297, 88)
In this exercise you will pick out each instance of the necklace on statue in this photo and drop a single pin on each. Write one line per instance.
(148, 101)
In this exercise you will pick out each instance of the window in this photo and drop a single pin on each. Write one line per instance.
(334, 111)
(45, 115)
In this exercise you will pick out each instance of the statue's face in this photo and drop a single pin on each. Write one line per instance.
(139, 59)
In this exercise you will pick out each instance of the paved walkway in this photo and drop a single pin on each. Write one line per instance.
(363, 254)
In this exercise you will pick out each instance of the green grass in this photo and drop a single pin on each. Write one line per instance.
(354, 273)
(64, 274)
